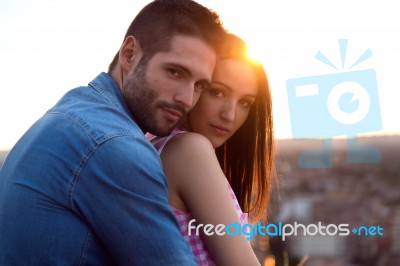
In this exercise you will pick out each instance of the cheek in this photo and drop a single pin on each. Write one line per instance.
(200, 116)
(158, 81)
(196, 118)
(196, 97)
(202, 108)
(241, 117)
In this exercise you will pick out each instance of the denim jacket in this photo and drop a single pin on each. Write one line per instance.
(84, 186)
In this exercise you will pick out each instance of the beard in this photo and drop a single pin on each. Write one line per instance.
(142, 101)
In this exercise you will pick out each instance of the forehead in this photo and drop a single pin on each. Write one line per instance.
(236, 74)
(189, 52)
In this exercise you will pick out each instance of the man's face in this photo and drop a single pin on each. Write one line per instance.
(161, 91)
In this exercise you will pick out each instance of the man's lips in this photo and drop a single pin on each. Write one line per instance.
(172, 114)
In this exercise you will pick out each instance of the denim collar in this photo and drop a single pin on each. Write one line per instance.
(107, 87)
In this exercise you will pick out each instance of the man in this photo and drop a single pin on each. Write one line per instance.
(83, 186)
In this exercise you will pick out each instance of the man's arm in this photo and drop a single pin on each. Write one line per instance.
(122, 194)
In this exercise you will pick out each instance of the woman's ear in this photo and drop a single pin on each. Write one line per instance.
(130, 50)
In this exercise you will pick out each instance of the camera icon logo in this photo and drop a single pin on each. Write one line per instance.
(325, 106)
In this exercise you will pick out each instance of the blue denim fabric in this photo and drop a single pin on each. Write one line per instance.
(83, 186)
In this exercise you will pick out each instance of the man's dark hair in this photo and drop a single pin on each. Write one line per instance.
(159, 21)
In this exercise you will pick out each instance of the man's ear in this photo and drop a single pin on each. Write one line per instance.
(130, 49)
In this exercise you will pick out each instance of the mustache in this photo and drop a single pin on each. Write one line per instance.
(174, 107)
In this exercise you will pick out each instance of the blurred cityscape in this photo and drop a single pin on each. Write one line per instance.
(354, 194)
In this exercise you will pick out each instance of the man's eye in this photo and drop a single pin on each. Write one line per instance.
(173, 72)
(201, 85)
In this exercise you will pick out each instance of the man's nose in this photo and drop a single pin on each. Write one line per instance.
(185, 96)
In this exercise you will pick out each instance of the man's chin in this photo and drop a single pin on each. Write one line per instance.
(162, 131)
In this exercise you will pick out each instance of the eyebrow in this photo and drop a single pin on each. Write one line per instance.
(230, 89)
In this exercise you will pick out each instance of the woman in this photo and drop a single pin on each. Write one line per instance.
(228, 136)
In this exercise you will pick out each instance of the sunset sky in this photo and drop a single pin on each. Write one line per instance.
(48, 47)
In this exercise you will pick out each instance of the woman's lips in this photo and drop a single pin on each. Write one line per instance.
(222, 131)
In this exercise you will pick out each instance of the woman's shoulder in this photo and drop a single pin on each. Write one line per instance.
(190, 142)
(189, 152)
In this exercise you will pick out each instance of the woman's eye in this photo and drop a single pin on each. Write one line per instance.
(215, 92)
(246, 103)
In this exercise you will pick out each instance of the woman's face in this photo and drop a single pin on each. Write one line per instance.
(223, 108)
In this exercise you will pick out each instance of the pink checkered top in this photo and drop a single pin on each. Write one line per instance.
(195, 242)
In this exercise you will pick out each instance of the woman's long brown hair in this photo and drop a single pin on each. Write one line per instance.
(247, 158)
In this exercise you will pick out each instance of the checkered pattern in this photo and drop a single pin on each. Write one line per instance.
(195, 242)
(159, 142)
